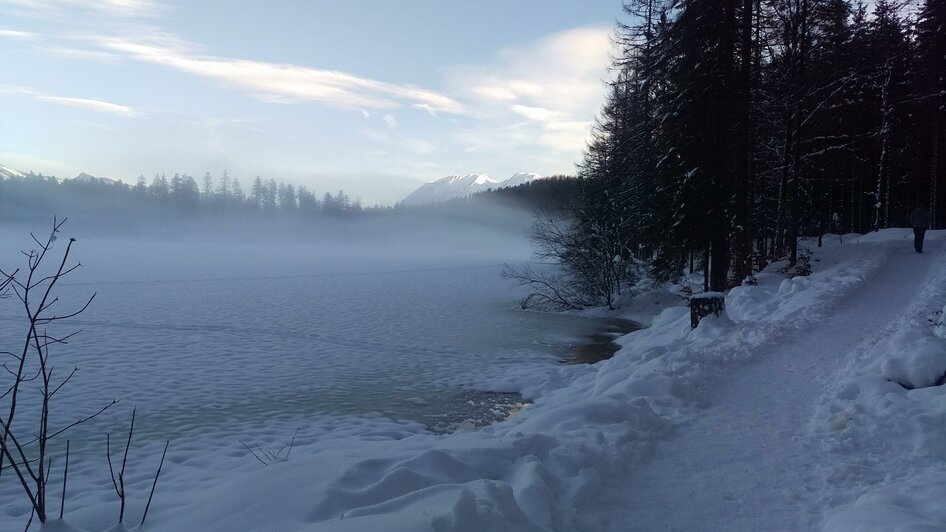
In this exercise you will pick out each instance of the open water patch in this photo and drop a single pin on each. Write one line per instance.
(600, 345)
(470, 410)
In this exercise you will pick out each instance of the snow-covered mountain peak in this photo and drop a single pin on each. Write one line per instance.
(461, 186)
(468, 179)
(6, 172)
(521, 178)
(86, 178)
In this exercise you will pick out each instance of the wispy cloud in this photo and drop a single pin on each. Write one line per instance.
(113, 30)
(111, 8)
(16, 34)
(69, 52)
(101, 106)
(95, 105)
(546, 93)
(536, 114)
(282, 82)
(58, 45)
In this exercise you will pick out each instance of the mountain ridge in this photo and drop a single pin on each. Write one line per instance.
(461, 186)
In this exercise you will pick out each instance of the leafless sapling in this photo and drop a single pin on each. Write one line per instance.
(24, 444)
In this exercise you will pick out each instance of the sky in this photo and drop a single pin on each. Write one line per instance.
(372, 97)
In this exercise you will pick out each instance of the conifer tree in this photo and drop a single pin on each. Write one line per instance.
(159, 188)
(696, 172)
(223, 187)
(207, 191)
(239, 197)
(258, 193)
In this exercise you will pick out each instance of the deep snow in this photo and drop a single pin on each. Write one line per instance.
(780, 415)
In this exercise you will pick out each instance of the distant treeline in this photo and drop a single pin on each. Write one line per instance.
(34, 197)
(181, 192)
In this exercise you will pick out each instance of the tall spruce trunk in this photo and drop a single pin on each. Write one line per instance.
(719, 241)
(742, 153)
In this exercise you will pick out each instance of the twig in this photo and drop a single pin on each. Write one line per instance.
(120, 484)
(65, 476)
(10, 466)
(108, 456)
(251, 452)
(271, 455)
(291, 442)
(83, 420)
(121, 475)
(155, 483)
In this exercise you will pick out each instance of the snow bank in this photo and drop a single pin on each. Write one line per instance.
(884, 423)
(917, 505)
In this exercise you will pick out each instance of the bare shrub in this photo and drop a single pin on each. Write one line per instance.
(24, 445)
(587, 265)
(25, 440)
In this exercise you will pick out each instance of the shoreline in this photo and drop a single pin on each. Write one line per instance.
(601, 345)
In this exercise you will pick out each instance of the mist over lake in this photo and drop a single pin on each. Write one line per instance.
(203, 331)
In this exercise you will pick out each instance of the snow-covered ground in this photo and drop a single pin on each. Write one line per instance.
(790, 412)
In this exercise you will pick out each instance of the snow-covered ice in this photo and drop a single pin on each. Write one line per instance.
(789, 412)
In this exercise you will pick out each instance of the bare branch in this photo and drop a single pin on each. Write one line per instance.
(83, 420)
(63, 383)
(65, 476)
(57, 318)
(155, 483)
(108, 456)
(247, 447)
(121, 474)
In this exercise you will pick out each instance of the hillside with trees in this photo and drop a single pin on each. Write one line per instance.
(732, 128)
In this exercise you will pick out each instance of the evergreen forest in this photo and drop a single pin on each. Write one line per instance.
(733, 128)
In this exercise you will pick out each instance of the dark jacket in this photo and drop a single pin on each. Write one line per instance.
(920, 218)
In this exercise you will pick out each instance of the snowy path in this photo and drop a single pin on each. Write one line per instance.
(748, 464)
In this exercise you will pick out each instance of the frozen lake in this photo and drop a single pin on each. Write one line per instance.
(229, 336)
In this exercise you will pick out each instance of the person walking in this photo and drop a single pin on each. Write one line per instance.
(920, 221)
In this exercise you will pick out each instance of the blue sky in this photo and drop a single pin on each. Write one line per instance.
(373, 97)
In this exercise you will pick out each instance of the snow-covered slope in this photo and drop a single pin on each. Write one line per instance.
(6, 172)
(450, 187)
(457, 186)
(86, 178)
(521, 178)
